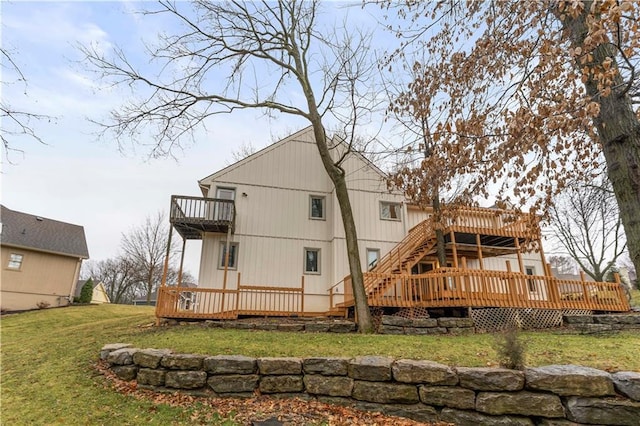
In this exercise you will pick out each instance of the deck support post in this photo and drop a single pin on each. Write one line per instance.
(184, 243)
(237, 296)
(226, 264)
(516, 243)
(480, 259)
(165, 269)
(454, 248)
(302, 297)
(513, 291)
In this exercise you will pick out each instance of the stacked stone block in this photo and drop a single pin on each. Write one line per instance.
(603, 323)
(420, 390)
(425, 326)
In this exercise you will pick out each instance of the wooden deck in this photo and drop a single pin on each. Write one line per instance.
(191, 216)
(444, 288)
(454, 287)
(206, 303)
(473, 233)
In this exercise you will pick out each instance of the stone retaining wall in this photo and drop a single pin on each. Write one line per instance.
(419, 326)
(421, 390)
(588, 324)
(389, 325)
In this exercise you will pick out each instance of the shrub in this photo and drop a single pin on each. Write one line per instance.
(86, 294)
(511, 349)
(43, 305)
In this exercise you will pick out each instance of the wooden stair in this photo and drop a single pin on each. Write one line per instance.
(419, 241)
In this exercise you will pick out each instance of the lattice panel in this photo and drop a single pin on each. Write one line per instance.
(413, 313)
(494, 319)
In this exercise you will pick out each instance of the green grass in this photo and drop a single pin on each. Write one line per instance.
(47, 357)
(635, 298)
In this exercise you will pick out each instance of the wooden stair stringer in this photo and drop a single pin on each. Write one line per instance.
(407, 253)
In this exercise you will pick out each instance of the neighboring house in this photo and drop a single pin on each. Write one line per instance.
(276, 215)
(41, 260)
(99, 294)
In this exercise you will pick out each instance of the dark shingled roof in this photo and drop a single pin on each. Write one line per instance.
(38, 233)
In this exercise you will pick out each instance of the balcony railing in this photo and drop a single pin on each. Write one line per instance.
(492, 222)
(193, 215)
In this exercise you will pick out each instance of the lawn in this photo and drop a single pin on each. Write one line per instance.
(48, 356)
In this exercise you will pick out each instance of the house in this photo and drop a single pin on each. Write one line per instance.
(273, 243)
(41, 260)
(99, 294)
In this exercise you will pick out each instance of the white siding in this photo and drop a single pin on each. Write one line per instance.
(273, 226)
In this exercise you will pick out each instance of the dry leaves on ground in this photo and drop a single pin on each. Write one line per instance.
(290, 412)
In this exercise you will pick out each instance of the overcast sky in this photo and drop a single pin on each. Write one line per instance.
(76, 177)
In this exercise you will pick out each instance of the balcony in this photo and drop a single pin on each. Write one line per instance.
(192, 216)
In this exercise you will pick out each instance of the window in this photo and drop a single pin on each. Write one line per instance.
(233, 255)
(311, 261)
(389, 211)
(316, 207)
(224, 210)
(372, 258)
(530, 270)
(15, 261)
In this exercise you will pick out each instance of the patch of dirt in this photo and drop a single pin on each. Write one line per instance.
(289, 412)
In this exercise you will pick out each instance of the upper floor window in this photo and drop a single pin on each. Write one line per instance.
(15, 261)
(316, 207)
(233, 255)
(389, 210)
(311, 261)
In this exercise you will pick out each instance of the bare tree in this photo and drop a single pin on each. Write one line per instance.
(530, 94)
(586, 221)
(563, 264)
(145, 247)
(119, 276)
(276, 59)
(15, 122)
(245, 150)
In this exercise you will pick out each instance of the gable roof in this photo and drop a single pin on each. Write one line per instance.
(38, 233)
(305, 133)
(204, 182)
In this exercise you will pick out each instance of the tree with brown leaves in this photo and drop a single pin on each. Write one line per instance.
(529, 96)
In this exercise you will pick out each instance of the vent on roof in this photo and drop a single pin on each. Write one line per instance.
(39, 219)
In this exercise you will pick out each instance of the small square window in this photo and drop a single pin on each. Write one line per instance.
(15, 261)
(372, 258)
(233, 255)
(311, 261)
(316, 207)
(531, 283)
(389, 211)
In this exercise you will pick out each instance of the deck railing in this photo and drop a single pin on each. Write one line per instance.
(201, 210)
(454, 287)
(499, 222)
(206, 303)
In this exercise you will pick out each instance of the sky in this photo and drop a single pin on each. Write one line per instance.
(76, 176)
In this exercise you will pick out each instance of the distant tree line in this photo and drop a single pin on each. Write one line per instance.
(136, 272)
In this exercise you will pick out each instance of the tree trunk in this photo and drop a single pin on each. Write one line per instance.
(437, 213)
(336, 174)
(619, 131)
